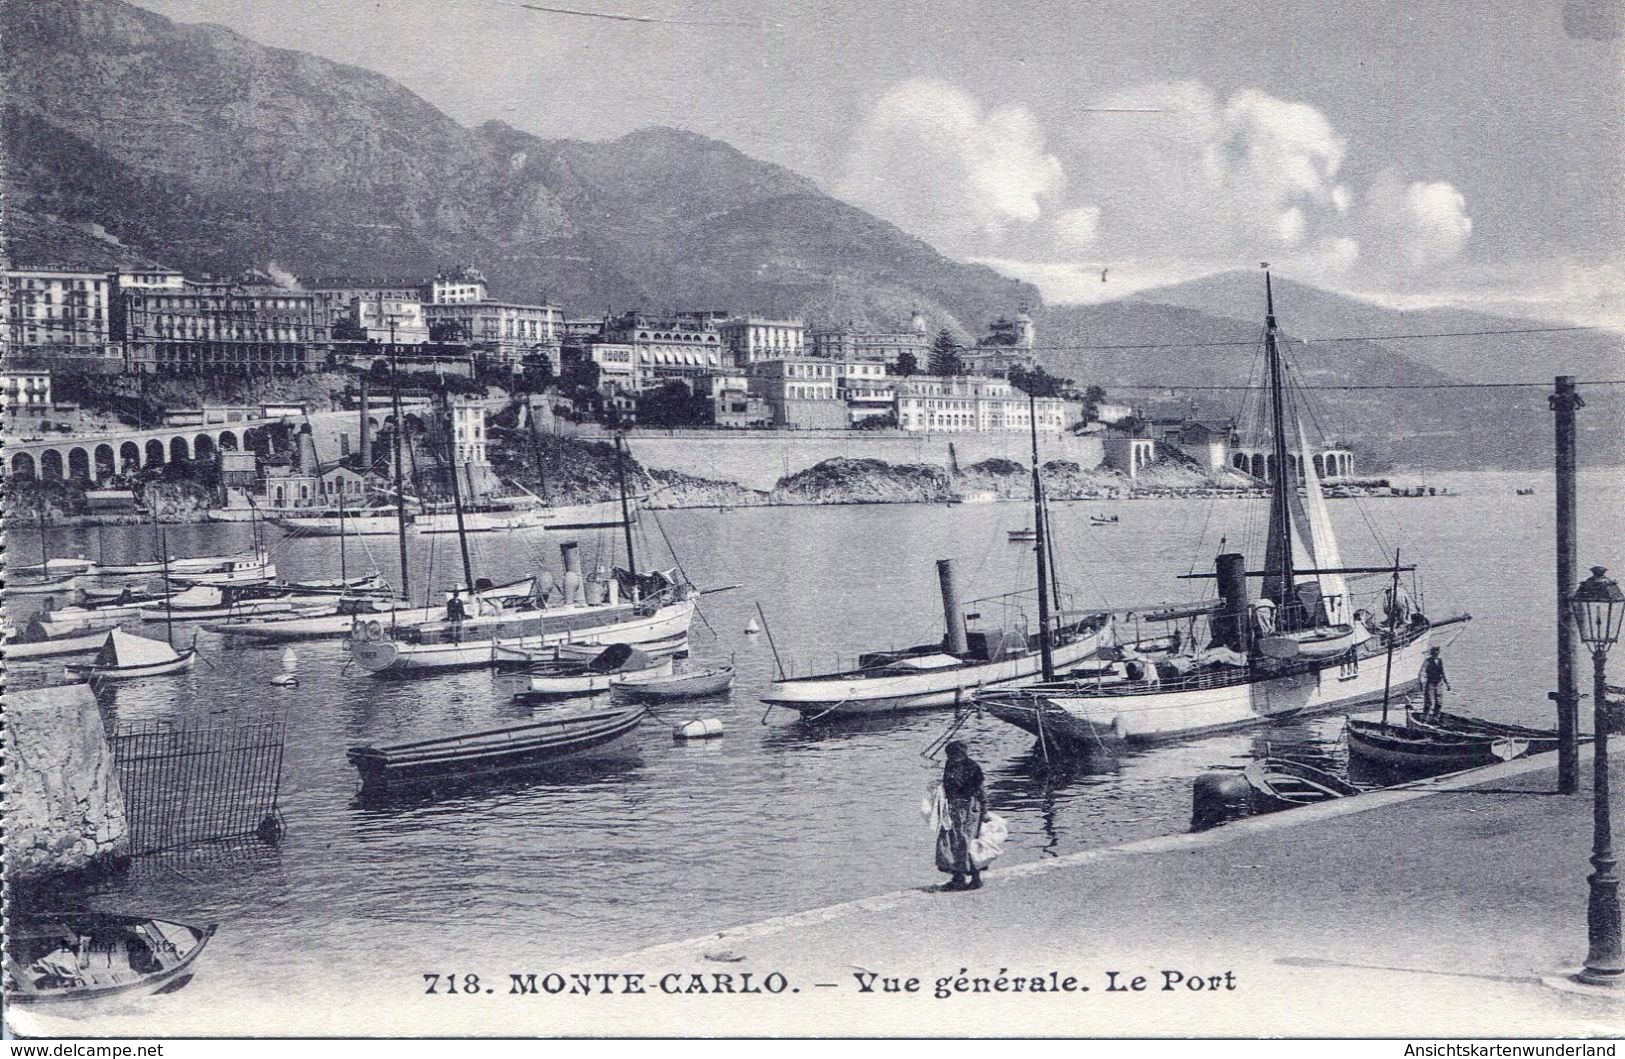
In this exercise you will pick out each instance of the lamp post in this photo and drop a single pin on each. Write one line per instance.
(1598, 607)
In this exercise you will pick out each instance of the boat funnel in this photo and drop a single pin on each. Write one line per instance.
(1231, 624)
(953, 615)
(366, 427)
(573, 589)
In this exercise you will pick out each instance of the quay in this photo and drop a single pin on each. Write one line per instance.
(1443, 908)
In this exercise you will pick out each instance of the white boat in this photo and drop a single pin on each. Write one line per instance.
(34, 642)
(574, 679)
(58, 567)
(124, 656)
(606, 513)
(443, 645)
(198, 564)
(367, 522)
(248, 572)
(217, 601)
(312, 623)
(47, 587)
(1300, 650)
(693, 684)
(581, 651)
(81, 619)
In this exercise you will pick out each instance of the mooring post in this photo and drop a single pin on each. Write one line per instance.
(1564, 403)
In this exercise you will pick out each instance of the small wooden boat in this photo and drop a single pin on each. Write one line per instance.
(527, 658)
(202, 602)
(61, 566)
(81, 956)
(78, 619)
(1022, 535)
(366, 583)
(1284, 783)
(526, 746)
(1419, 749)
(663, 687)
(127, 657)
(1540, 740)
(33, 642)
(567, 680)
(1102, 520)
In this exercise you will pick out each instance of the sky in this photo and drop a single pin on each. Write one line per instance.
(1421, 153)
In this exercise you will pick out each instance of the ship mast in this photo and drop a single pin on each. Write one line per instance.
(1041, 550)
(626, 512)
(457, 495)
(1278, 553)
(400, 487)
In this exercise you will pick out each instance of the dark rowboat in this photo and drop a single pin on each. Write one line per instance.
(524, 746)
(1021, 535)
(80, 956)
(1283, 783)
(1540, 740)
(1419, 749)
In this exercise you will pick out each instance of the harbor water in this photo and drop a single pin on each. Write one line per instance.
(676, 839)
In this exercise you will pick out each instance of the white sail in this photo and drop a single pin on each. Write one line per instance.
(1312, 533)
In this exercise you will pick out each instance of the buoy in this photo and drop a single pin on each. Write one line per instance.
(284, 680)
(710, 728)
(752, 628)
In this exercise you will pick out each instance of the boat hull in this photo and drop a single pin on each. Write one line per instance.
(151, 669)
(1426, 750)
(1126, 715)
(350, 526)
(394, 657)
(67, 645)
(523, 747)
(851, 695)
(674, 688)
(576, 685)
(112, 930)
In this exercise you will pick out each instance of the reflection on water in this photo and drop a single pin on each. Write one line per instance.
(679, 838)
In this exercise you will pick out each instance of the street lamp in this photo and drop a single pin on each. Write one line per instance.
(1598, 607)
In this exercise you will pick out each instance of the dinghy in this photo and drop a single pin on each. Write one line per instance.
(81, 956)
(1285, 783)
(663, 687)
(1424, 750)
(46, 587)
(127, 657)
(567, 680)
(1018, 536)
(1540, 740)
(526, 746)
(312, 622)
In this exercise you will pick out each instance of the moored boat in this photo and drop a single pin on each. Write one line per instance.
(1019, 536)
(537, 744)
(316, 622)
(1410, 749)
(33, 642)
(69, 957)
(692, 684)
(124, 656)
(42, 587)
(564, 680)
(1540, 740)
(1285, 783)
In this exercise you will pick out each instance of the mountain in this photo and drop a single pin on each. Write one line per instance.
(1420, 416)
(134, 138)
(1475, 357)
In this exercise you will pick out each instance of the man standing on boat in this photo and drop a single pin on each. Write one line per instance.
(1433, 684)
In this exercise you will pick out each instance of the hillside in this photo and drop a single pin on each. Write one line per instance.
(135, 138)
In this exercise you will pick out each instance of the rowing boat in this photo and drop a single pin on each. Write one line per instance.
(82, 956)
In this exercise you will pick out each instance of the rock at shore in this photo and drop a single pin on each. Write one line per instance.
(64, 805)
(844, 480)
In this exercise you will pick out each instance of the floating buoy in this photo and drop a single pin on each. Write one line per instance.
(710, 728)
(1219, 797)
(752, 628)
(287, 678)
(290, 661)
(284, 680)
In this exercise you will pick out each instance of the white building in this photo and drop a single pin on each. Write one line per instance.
(753, 338)
(962, 403)
(457, 287)
(397, 321)
(60, 312)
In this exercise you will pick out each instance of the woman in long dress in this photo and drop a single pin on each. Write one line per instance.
(962, 805)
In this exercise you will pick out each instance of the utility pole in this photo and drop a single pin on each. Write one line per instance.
(1564, 403)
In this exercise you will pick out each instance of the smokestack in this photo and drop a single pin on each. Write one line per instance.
(366, 428)
(573, 590)
(1233, 629)
(953, 616)
(306, 453)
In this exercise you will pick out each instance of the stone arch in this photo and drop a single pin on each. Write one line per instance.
(104, 461)
(177, 450)
(1258, 465)
(203, 447)
(78, 464)
(1269, 467)
(1239, 461)
(1320, 465)
(22, 465)
(50, 465)
(228, 441)
(155, 453)
(129, 457)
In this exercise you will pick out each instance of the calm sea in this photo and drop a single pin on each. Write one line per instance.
(675, 840)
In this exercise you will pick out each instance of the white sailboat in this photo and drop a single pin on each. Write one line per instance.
(1300, 649)
(125, 656)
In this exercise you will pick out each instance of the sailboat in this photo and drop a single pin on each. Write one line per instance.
(1300, 649)
(951, 671)
(628, 607)
(125, 656)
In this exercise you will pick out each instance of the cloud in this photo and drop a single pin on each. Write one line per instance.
(931, 159)
(1417, 225)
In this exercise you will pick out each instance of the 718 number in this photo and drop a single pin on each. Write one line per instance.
(451, 983)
